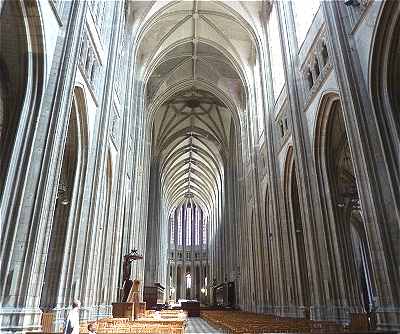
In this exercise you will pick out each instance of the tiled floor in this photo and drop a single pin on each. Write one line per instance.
(198, 325)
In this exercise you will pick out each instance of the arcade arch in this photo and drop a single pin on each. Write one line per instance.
(68, 207)
(350, 252)
(300, 285)
(17, 91)
(385, 82)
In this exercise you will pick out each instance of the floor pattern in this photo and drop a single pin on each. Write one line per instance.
(199, 326)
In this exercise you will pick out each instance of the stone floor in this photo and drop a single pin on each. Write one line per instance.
(197, 325)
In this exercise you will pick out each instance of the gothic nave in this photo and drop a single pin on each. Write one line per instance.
(248, 150)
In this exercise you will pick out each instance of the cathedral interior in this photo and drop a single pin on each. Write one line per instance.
(248, 151)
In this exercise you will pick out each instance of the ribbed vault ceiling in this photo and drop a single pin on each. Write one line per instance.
(195, 60)
(191, 138)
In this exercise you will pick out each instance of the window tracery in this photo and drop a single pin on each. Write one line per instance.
(204, 232)
(179, 228)
(316, 68)
(197, 229)
(188, 226)
(89, 62)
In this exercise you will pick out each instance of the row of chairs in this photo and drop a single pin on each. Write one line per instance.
(245, 322)
(153, 322)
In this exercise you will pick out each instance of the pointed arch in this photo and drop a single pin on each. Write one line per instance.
(268, 256)
(300, 292)
(384, 83)
(67, 213)
(22, 69)
(341, 209)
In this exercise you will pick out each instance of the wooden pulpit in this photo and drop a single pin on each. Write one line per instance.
(123, 310)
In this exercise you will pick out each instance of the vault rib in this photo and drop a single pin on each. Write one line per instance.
(195, 39)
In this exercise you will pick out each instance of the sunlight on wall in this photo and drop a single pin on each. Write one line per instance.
(278, 76)
(304, 12)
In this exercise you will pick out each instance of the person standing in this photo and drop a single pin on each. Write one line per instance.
(72, 322)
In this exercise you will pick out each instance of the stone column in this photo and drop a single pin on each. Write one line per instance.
(316, 249)
(379, 206)
(192, 252)
(85, 260)
(30, 212)
(184, 248)
(153, 228)
(277, 284)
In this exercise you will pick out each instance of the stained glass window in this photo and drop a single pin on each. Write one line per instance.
(188, 226)
(205, 231)
(197, 228)
(179, 227)
(172, 224)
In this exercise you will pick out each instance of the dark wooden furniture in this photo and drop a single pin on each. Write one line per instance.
(224, 294)
(123, 310)
(153, 295)
(192, 307)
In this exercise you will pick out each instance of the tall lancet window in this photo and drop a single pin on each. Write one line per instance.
(172, 224)
(197, 228)
(179, 227)
(188, 225)
(204, 231)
